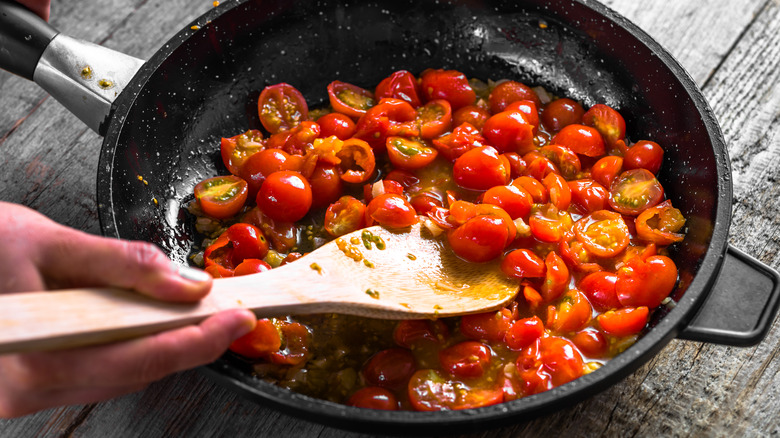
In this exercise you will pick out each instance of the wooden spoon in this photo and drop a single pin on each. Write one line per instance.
(374, 272)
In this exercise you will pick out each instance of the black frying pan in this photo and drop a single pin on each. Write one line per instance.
(203, 84)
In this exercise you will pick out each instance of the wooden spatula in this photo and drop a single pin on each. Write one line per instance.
(373, 272)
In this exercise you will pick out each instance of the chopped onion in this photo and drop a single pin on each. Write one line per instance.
(544, 96)
(431, 226)
(377, 189)
(523, 230)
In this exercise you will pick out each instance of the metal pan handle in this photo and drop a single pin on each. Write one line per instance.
(83, 77)
(742, 305)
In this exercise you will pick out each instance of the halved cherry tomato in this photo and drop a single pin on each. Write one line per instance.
(481, 169)
(467, 359)
(509, 131)
(646, 282)
(251, 266)
(237, 149)
(415, 332)
(450, 85)
(461, 212)
(606, 170)
(547, 363)
(560, 113)
(471, 114)
(399, 85)
(564, 159)
(295, 344)
(634, 191)
(538, 166)
(285, 196)
(607, 121)
(357, 161)
(571, 313)
(350, 99)
(434, 118)
(221, 196)
(523, 332)
(281, 107)
(338, 124)
(430, 391)
(558, 188)
(389, 117)
(297, 140)
(603, 233)
(516, 163)
(344, 216)
(390, 211)
(591, 343)
(263, 340)
(624, 322)
(389, 368)
(426, 201)
(480, 239)
(462, 139)
(486, 326)
(581, 139)
(410, 154)
(588, 195)
(510, 91)
(644, 154)
(522, 263)
(283, 235)
(326, 184)
(548, 223)
(529, 108)
(513, 199)
(373, 397)
(599, 287)
(556, 277)
(660, 224)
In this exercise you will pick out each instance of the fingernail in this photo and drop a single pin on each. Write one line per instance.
(193, 274)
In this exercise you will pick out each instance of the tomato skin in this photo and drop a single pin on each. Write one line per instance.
(600, 289)
(462, 139)
(257, 168)
(326, 184)
(572, 313)
(634, 191)
(646, 282)
(644, 154)
(450, 85)
(357, 161)
(467, 359)
(430, 391)
(336, 124)
(344, 216)
(237, 149)
(434, 118)
(295, 344)
(624, 322)
(221, 196)
(426, 201)
(410, 333)
(560, 113)
(547, 363)
(666, 221)
(251, 266)
(556, 277)
(607, 121)
(558, 189)
(373, 397)
(285, 196)
(481, 169)
(529, 110)
(389, 368)
(564, 159)
(471, 114)
(509, 131)
(588, 195)
(510, 91)
(549, 224)
(349, 99)
(486, 326)
(389, 117)
(481, 239)
(399, 85)
(281, 107)
(606, 170)
(524, 332)
(514, 200)
(523, 263)
(581, 139)
(536, 189)
(297, 140)
(390, 211)
(410, 154)
(247, 242)
(263, 340)
(591, 343)
(604, 233)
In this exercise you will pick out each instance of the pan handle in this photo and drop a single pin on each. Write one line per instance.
(83, 77)
(742, 305)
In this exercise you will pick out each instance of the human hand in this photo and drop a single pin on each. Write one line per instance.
(40, 7)
(40, 254)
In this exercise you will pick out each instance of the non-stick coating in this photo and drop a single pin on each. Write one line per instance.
(203, 84)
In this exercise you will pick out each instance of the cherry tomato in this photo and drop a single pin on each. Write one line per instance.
(390, 211)
(471, 114)
(410, 154)
(416, 332)
(560, 113)
(510, 91)
(399, 85)
(607, 121)
(513, 199)
(403, 177)
(646, 282)
(357, 161)
(295, 344)
(581, 139)
(538, 166)
(624, 322)
(529, 109)
(556, 277)
(467, 359)
(246, 242)
(588, 195)
(509, 131)
(251, 266)
(349, 99)
(558, 189)
(547, 363)
(430, 391)
(603, 233)
(236, 150)
(337, 124)
(599, 287)
(389, 368)
(426, 201)
(373, 397)
(257, 168)
(222, 196)
(548, 223)
(523, 332)
(370, 191)
(591, 343)
(536, 189)
(480, 239)
(523, 263)
(634, 191)
(486, 326)
(326, 184)
(606, 170)
(283, 235)
(660, 224)
(644, 154)
(263, 340)
(572, 312)
(462, 139)
(434, 118)
(344, 216)
(281, 107)
(481, 169)
(564, 159)
(389, 117)
(297, 140)
(516, 163)
(285, 196)
(450, 85)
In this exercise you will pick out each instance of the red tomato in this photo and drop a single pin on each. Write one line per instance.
(480, 239)
(624, 322)
(430, 391)
(295, 344)
(337, 124)
(529, 109)
(560, 113)
(536, 189)
(387, 186)
(344, 216)
(481, 169)
(257, 168)
(588, 195)
(283, 235)
(599, 287)
(646, 282)
(263, 340)
(606, 170)
(403, 177)
(222, 196)
(607, 121)
(426, 201)
(390, 211)
(350, 99)
(389, 368)
(523, 263)
(462, 139)
(400, 85)
(572, 313)
(516, 163)
(548, 224)
(510, 91)
(434, 118)
(450, 85)
(357, 161)
(523, 332)
(246, 242)
(389, 117)
(514, 200)
(285, 196)
(251, 266)
(468, 359)
(547, 363)
(410, 333)
(281, 107)
(509, 131)
(591, 342)
(236, 150)
(603, 233)
(487, 326)
(373, 397)
(581, 139)
(556, 277)
(297, 140)
(644, 154)
(660, 224)
(410, 154)
(538, 166)
(471, 114)
(326, 184)
(564, 159)
(634, 191)
(558, 188)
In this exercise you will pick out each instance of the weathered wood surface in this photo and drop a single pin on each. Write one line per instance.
(731, 48)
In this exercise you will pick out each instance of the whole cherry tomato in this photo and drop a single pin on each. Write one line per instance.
(644, 154)
(560, 113)
(468, 359)
(599, 287)
(263, 340)
(389, 368)
(338, 124)
(285, 196)
(513, 199)
(509, 131)
(373, 397)
(510, 91)
(237, 149)
(399, 85)
(221, 196)
(450, 85)
(390, 211)
(251, 266)
(522, 263)
(591, 342)
(480, 239)
(247, 242)
(646, 282)
(481, 169)
(344, 216)
(486, 326)
(326, 184)
(523, 332)
(281, 107)
(581, 139)
(257, 168)
(349, 99)
(471, 114)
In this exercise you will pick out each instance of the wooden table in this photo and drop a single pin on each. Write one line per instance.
(48, 161)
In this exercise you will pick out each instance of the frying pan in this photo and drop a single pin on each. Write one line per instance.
(162, 121)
